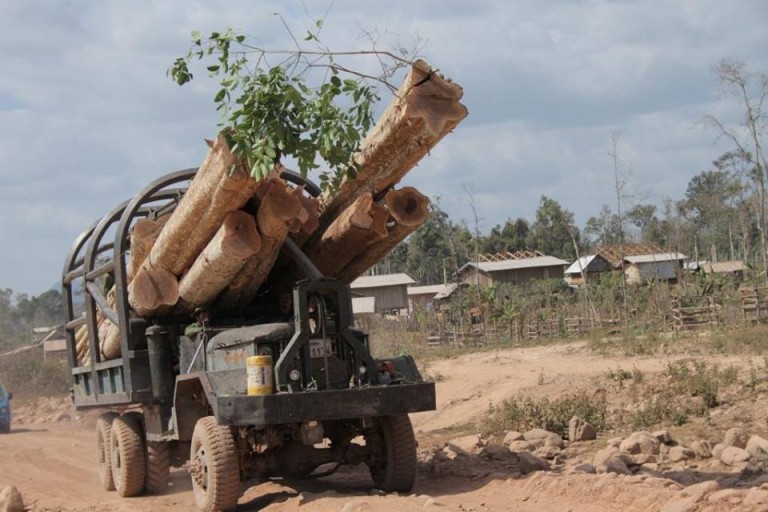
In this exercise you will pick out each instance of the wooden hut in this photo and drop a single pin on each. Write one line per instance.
(390, 291)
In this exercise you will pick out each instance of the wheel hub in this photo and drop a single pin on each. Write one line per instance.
(198, 468)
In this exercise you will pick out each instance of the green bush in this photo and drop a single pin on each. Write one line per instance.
(28, 375)
(524, 413)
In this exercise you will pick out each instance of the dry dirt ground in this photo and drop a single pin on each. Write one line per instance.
(50, 455)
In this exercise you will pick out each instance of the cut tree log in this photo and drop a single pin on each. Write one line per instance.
(143, 236)
(361, 224)
(216, 190)
(278, 207)
(223, 257)
(110, 343)
(152, 289)
(407, 206)
(424, 110)
(220, 186)
(408, 210)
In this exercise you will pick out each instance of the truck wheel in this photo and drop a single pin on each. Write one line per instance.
(214, 466)
(394, 454)
(103, 429)
(158, 467)
(129, 466)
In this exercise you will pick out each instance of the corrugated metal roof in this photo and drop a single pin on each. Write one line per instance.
(581, 263)
(723, 267)
(497, 266)
(382, 280)
(363, 305)
(652, 258)
(447, 291)
(597, 262)
(431, 289)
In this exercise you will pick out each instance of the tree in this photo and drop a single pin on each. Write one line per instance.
(511, 237)
(710, 204)
(551, 232)
(748, 136)
(309, 106)
(605, 228)
(438, 248)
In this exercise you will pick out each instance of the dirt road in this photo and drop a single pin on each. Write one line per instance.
(53, 463)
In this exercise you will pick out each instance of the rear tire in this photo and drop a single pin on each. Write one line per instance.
(129, 466)
(394, 446)
(103, 453)
(214, 466)
(158, 467)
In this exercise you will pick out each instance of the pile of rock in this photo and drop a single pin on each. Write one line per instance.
(522, 452)
(651, 451)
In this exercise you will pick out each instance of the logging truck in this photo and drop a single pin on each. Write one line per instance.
(237, 393)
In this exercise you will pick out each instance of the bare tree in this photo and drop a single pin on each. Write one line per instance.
(750, 91)
(620, 171)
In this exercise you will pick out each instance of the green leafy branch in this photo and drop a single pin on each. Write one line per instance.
(308, 106)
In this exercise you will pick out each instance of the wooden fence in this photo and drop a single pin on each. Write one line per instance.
(754, 303)
(693, 312)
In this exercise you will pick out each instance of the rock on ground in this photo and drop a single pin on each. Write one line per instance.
(512, 436)
(528, 463)
(640, 442)
(732, 455)
(737, 437)
(757, 447)
(466, 444)
(580, 430)
(702, 448)
(11, 500)
(609, 460)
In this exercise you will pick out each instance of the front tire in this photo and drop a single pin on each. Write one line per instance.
(214, 466)
(393, 467)
(103, 453)
(129, 465)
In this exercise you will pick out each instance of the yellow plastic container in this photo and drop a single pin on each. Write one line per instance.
(260, 375)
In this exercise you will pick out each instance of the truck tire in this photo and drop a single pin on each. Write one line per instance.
(103, 454)
(158, 467)
(394, 465)
(129, 465)
(214, 466)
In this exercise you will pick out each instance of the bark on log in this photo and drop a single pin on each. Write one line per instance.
(424, 110)
(408, 211)
(223, 257)
(81, 344)
(143, 236)
(213, 193)
(216, 190)
(358, 226)
(279, 206)
(110, 343)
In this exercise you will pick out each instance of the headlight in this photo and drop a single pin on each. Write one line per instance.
(3, 410)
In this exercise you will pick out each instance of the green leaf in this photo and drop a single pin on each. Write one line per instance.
(213, 68)
(220, 95)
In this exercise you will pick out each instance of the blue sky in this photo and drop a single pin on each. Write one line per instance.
(88, 116)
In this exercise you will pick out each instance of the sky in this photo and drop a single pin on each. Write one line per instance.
(88, 115)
